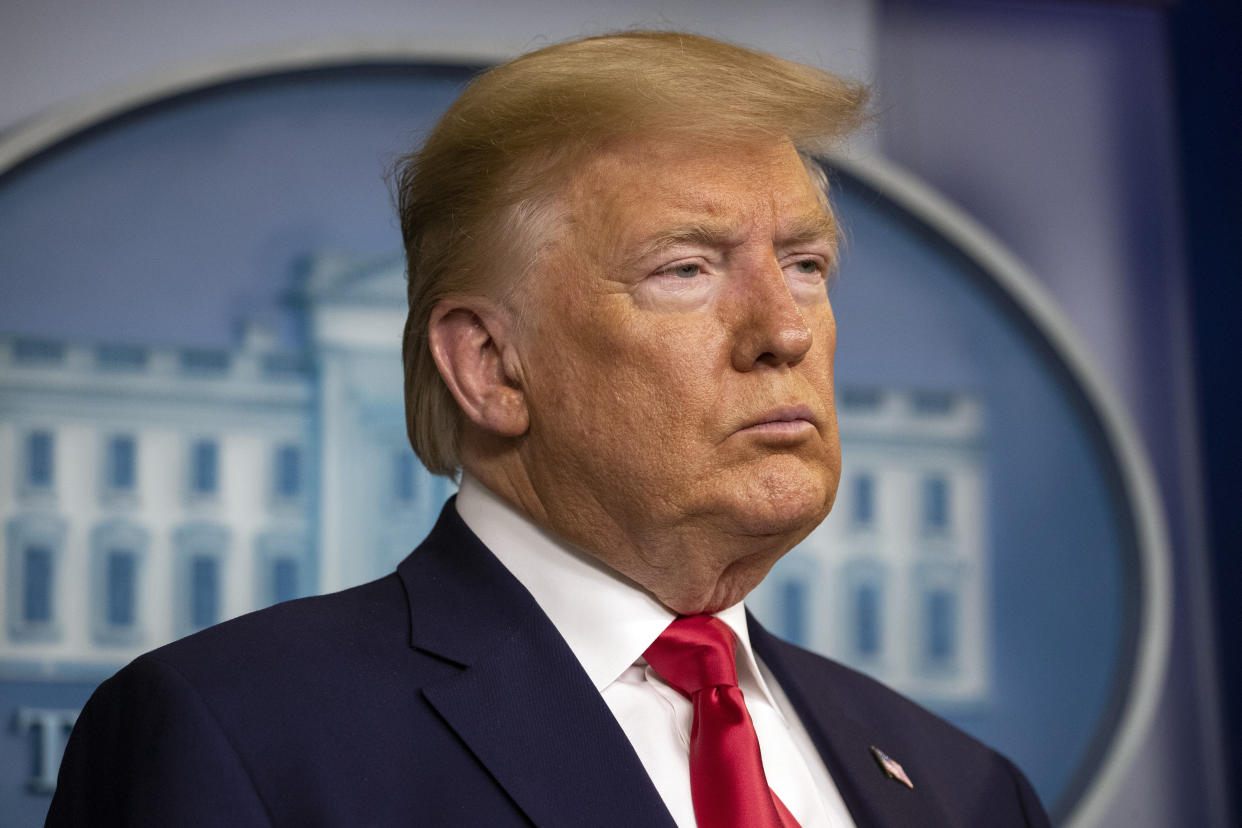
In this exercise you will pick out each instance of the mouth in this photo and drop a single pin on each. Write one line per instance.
(790, 420)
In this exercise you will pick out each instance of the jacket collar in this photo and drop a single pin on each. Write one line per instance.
(521, 702)
(844, 742)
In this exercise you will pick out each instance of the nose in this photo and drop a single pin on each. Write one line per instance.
(771, 329)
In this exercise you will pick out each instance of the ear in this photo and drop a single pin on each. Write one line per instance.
(469, 339)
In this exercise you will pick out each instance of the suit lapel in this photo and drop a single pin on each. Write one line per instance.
(844, 743)
(521, 701)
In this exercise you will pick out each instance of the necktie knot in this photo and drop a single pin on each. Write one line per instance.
(693, 653)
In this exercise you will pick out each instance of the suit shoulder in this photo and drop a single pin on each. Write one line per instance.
(864, 698)
(966, 776)
(344, 627)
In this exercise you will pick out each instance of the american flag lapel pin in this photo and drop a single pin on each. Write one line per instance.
(892, 769)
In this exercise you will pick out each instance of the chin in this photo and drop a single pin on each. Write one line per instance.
(734, 584)
(784, 501)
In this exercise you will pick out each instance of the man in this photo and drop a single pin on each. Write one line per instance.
(620, 334)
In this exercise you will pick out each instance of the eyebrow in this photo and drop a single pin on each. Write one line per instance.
(701, 233)
(803, 229)
(810, 228)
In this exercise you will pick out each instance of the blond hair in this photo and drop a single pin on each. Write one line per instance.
(474, 200)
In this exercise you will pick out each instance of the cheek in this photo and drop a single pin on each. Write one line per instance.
(681, 366)
(824, 339)
(641, 392)
(823, 324)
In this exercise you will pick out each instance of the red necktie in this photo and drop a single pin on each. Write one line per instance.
(727, 784)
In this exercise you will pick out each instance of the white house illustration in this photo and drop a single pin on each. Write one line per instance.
(894, 582)
(146, 492)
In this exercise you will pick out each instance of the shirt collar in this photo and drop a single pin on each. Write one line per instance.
(606, 619)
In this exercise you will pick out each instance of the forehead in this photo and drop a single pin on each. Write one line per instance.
(638, 187)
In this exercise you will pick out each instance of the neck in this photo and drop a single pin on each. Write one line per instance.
(690, 566)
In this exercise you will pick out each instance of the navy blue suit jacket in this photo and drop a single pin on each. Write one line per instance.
(442, 695)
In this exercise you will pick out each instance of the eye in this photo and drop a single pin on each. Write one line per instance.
(808, 275)
(684, 271)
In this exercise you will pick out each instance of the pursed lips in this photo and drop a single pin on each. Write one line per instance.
(788, 419)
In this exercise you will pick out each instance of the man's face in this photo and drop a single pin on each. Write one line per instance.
(677, 360)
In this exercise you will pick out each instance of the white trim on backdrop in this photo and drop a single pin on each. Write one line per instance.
(1137, 478)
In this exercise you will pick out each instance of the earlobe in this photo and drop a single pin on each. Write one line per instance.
(468, 342)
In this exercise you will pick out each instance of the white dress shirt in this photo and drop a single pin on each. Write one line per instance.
(609, 622)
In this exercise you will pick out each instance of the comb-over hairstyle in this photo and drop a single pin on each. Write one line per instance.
(476, 201)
